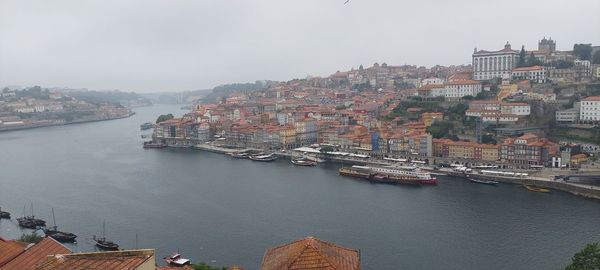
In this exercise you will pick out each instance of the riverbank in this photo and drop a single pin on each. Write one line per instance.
(41, 124)
(583, 190)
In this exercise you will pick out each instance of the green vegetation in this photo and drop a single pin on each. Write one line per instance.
(573, 134)
(586, 259)
(30, 238)
(596, 58)
(533, 61)
(441, 129)
(164, 117)
(326, 149)
(522, 55)
(582, 51)
(205, 266)
(426, 106)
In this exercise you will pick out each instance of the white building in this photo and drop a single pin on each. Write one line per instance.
(520, 109)
(459, 89)
(535, 73)
(432, 80)
(451, 90)
(494, 64)
(568, 115)
(590, 109)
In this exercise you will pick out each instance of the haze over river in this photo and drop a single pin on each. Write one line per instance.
(216, 209)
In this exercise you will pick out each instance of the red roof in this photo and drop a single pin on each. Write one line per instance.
(529, 68)
(592, 98)
(9, 250)
(109, 260)
(311, 253)
(36, 254)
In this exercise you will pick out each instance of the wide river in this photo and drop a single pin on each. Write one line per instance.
(223, 211)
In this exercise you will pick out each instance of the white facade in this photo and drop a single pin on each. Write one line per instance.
(590, 109)
(568, 115)
(520, 109)
(536, 74)
(432, 80)
(461, 89)
(489, 65)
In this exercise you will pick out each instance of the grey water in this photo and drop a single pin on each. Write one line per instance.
(226, 211)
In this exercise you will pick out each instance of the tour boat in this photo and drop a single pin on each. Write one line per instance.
(102, 243)
(151, 144)
(264, 157)
(390, 175)
(4, 214)
(177, 260)
(537, 189)
(430, 182)
(303, 162)
(58, 235)
(240, 154)
(486, 182)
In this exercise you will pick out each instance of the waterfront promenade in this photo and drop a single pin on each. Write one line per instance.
(541, 178)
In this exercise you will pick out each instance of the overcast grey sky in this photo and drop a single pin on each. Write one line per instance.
(173, 45)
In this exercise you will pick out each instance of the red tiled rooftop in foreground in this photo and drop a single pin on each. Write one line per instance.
(109, 260)
(9, 250)
(311, 253)
(36, 254)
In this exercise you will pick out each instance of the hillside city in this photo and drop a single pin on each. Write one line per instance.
(514, 107)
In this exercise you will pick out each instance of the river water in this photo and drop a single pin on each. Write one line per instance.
(216, 209)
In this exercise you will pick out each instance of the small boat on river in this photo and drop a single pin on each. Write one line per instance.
(264, 157)
(537, 189)
(4, 214)
(147, 125)
(59, 235)
(304, 162)
(30, 222)
(177, 260)
(485, 182)
(102, 243)
(241, 154)
(153, 145)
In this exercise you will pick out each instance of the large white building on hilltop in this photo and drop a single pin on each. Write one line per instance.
(494, 64)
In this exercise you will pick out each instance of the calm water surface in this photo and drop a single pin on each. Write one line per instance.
(215, 209)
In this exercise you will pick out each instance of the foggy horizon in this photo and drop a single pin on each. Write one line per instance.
(160, 46)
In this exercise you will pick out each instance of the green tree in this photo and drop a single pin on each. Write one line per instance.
(164, 117)
(522, 61)
(440, 129)
(582, 51)
(205, 266)
(326, 149)
(586, 259)
(596, 58)
(532, 60)
(30, 238)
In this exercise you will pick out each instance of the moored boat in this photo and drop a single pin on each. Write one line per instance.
(303, 162)
(59, 235)
(4, 214)
(176, 260)
(429, 182)
(537, 189)
(151, 144)
(264, 157)
(147, 125)
(30, 222)
(102, 243)
(485, 182)
(240, 154)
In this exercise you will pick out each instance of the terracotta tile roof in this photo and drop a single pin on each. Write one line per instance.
(10, 249)
(109, 260)
(529, 68)
(593, 98)
(174, 268)
(311, 253)
(36, 254)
